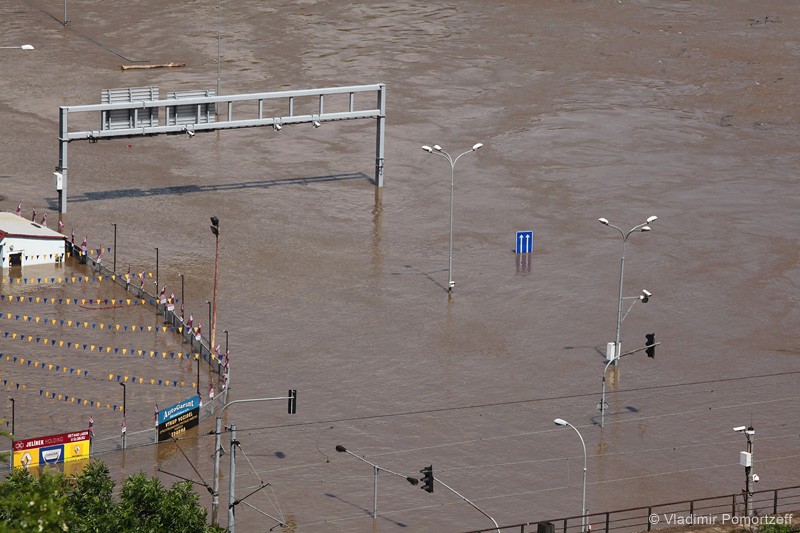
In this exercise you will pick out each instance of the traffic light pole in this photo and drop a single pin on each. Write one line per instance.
(484, 513)
(609, 363)
(375, 470)
(292, 397)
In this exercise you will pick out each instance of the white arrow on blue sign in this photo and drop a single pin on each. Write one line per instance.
(524, 242)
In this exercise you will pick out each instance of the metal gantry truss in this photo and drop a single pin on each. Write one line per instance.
(275, 109)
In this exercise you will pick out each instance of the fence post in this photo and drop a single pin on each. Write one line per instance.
(775, 502)
(733, 504)
(649, 514)
(608, 519)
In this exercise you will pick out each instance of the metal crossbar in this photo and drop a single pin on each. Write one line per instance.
(275, 109)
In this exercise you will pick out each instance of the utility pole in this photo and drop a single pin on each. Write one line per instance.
(746, 460)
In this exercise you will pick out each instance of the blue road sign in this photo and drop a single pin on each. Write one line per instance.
(524, 242)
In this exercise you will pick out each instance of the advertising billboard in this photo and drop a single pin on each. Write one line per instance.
(52, 449)
(175, 420)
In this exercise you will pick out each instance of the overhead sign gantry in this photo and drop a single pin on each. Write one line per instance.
(192, 112)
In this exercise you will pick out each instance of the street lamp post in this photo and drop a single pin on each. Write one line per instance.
(438, 151)
(209, 325)
(13, 434)
(644, 226)
(375, 470)
(124, 413)
(213, 319)
(156, 291)
(562, 422)
(181, 275)
(115, 247)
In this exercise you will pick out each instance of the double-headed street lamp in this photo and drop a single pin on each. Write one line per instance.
(438, 151)
(585, 518)
(644, 226)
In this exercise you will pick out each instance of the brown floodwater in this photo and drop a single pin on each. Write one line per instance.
(611, 108)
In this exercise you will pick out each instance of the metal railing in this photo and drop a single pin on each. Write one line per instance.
(718, 510)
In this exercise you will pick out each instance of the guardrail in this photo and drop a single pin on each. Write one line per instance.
(717, 510)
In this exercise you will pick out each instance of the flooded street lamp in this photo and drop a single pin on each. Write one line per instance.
(115, 247)
(644, 226)
(438, 151)
(584, 518)
(124, 412)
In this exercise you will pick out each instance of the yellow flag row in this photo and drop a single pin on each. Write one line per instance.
(90, 325)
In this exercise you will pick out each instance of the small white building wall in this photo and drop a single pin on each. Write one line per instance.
(34, 251)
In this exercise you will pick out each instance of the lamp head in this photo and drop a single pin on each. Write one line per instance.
(651, 219)
(215, 221)
(277, 126)
(427, 149)
(437, 147)
(316, 123)
(340, 448)
(26, 47)
(560, 422)
(739, 429)
(645, 297)
(476, 146)
(415, 481)
(603, 221)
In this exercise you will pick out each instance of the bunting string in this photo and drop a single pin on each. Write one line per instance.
(77, 372)
(77, 301)
(67, 279)
(99, 348)
(92, 325)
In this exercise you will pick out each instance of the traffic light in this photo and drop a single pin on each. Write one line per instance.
(651, 340)
(215, 225)
(292, 401)
(427, 478)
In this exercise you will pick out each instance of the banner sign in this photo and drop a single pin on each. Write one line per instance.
(52, 449)
(175, 420)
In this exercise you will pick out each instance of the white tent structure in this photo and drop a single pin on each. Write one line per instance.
(23, 242)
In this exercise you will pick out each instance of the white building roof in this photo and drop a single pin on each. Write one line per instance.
(12, 225)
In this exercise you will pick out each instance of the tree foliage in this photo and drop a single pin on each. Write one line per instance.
(86, 504)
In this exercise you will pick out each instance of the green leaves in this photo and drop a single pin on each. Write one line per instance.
(54, 502)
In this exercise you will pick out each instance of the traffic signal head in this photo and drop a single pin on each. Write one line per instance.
(215, 225)
(427, 478)
(651, 340)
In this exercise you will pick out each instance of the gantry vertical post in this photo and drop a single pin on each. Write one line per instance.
(63, 142)
(380, 134)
